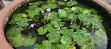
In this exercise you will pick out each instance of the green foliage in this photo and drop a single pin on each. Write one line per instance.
(23, 22)
(15, 18)
(65, 41)
(35, 5)
(66, 33)
(86, 12)
(54, 37)
(46, 44)
(71, 47)
(93, 11)
(52, 15)
(61, 28)
(57, 23)
(14, 30)
(37, 46)
(74, 26)
(60, 46)
(71, 3)
(52, 6)
(33, 12)
(78, 9)
(61, 3)
(73, 17)
(51, 1)
(18, 41)
(62, 13)
(42, 31)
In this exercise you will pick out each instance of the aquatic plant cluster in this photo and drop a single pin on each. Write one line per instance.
(64, 23)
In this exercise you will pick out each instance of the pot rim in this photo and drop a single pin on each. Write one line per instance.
(8, 8)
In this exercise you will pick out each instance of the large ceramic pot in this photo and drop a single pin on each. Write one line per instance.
(103, 7)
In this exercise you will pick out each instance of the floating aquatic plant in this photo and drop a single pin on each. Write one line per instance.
(63, 23)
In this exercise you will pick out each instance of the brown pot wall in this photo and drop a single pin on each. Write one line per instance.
(6, 10)
(3, 13)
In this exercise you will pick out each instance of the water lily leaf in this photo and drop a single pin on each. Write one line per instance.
(101, 33)
(54, 37)
(98, 41)
(46, 44)
(93, 11)
(33, 12)
(74, 26)
(23, 22)
(72, 17)
(71, 47)
(78, 39)
(29, 41)
(18, 41)
(86, 12)
(57, 23)
(34, 5)
(37, 46)
(51, 1)
(52, 15)
(16, 18)
(71, 3)
(14, 30)
(65, 40)
(61, 3)
(62, 13)
(50, 28)
(78, 9)
(42, 31)
(52, 6)
(67, 33)
(60, 46)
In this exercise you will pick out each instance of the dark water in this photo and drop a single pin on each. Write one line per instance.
(103, 12)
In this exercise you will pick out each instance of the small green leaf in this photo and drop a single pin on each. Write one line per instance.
(98, 41)
(78, 9)
(93, 11)
(86, 12)
(52, 15)
(62, 13)
(66, 33)
(23, 22)
(33, 12)
(15, 18)
(50, 28)
(60, 46)
(71, 47)
(54, 37)
(46, 44)
(71, 3)
(73, 17)
(29, 41)
(42, 31)
(18, 41)
(65, 40)
(37, 46)
(14, 30)
(57, 23)
(52, 6)
(61, 3)
(74, 26)
(51, 1)
(78, 39)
